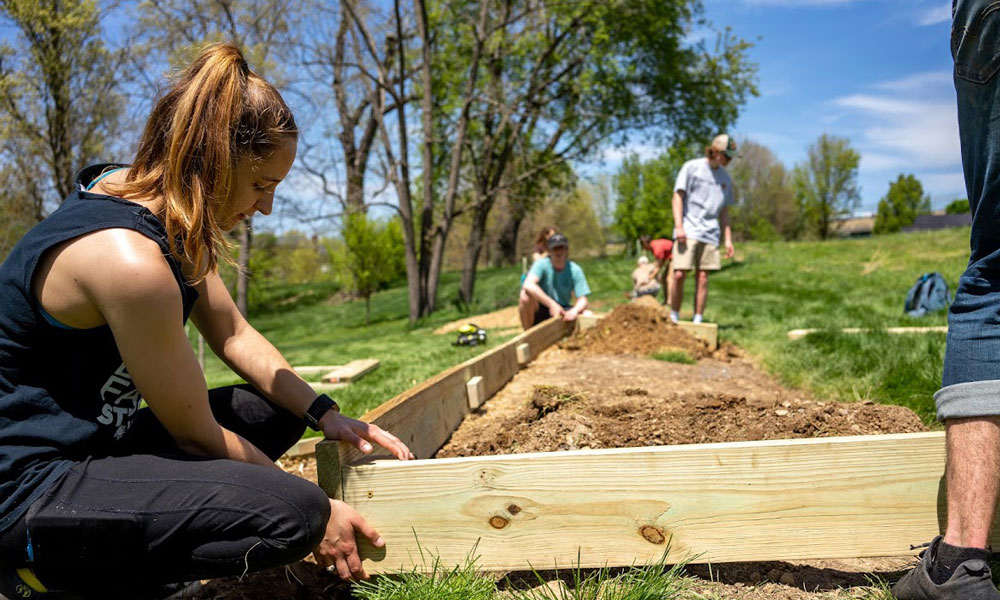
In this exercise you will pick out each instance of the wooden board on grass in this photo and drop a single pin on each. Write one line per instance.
(801, 499)
(352, 371)
(798, 334)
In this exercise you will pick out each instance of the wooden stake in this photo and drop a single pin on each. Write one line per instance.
(476, 391)
(523, 354)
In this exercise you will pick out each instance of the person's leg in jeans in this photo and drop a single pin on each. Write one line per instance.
(122, 526)
(968, 402)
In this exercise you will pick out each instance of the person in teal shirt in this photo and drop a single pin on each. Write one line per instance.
(550, 286)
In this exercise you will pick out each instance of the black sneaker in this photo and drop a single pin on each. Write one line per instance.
(970, 581)
(21, 584)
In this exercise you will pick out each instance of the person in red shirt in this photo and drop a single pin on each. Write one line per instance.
(661, 249)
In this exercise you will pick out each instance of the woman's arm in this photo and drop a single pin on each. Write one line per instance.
(137, 295)
(257, 361)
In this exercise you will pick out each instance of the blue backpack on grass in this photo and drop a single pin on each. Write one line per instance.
(928, 294)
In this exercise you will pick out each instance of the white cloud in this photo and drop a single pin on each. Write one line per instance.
(930, 82)
(944, 183)
(903, 127)
(932, 16)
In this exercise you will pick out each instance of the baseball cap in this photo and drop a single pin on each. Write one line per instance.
(556, 240)
(725, 144)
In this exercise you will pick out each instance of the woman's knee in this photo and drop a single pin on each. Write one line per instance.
(307, 513)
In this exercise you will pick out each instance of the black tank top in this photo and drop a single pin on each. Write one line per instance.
(65, 395)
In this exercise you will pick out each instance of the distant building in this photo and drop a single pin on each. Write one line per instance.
(940, 220)
(854, 226)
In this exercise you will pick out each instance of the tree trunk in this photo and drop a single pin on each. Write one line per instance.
(368, 309)
(509, 234)
(243, 273)
(472, 250)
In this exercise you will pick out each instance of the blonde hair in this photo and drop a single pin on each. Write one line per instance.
(217, 112)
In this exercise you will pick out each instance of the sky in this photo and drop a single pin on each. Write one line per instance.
(877, 72)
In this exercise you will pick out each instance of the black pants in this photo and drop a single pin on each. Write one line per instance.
(121, 526)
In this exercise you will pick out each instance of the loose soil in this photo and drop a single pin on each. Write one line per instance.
(601, 390)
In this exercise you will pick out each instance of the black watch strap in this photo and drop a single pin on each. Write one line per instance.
(317, 409)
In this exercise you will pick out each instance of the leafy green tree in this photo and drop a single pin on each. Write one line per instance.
(644, 191)
(765, 208)
(371, 257)
(561, 78)
(60, 101)
(957, 207)
(826, 184)
(901, 205)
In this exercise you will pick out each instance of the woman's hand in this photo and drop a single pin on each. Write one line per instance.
(362, 435)
(338, 551)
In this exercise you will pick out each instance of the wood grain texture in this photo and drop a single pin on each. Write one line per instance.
(352, 371)
(746, 501)
(476, 391)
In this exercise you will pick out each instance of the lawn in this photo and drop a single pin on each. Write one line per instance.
(768, 290)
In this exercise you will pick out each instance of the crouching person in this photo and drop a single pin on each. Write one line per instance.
(550, 287)
(100, 498)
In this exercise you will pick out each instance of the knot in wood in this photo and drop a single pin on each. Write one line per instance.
(498, 522)
(653, 535)
(513, 509)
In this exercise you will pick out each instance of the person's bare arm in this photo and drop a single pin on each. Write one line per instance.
(137, 295)
(578, 307)
(678, 208)
(535, 291)
(257, 361)
(727, 231)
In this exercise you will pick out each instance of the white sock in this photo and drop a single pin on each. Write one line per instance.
(696, 319)
(675, 316)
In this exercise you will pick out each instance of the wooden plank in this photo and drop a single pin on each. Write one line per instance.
(303, 447)
(313, 370)
(476, 392)
(323, 388)
(843, 497)
(798, 334)
(425, 416)
(329, 468)
(352, 371)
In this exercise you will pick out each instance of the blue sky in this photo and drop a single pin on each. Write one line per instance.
(877, 72)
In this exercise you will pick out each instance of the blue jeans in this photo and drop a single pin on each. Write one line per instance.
(970, 385)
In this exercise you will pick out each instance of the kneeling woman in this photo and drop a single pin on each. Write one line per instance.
(99, 497)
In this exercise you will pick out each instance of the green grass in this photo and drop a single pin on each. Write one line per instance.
(833, 285)
(675, 356)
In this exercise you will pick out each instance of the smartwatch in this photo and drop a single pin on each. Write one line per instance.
(317, 409)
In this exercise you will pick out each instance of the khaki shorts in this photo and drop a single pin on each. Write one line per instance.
(696, 255)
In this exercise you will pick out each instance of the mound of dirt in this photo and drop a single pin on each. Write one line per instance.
(558, 418)
(638, 329)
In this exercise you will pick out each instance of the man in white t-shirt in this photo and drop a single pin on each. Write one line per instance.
(702, 196)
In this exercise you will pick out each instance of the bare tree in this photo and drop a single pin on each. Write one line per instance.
(60, 100)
